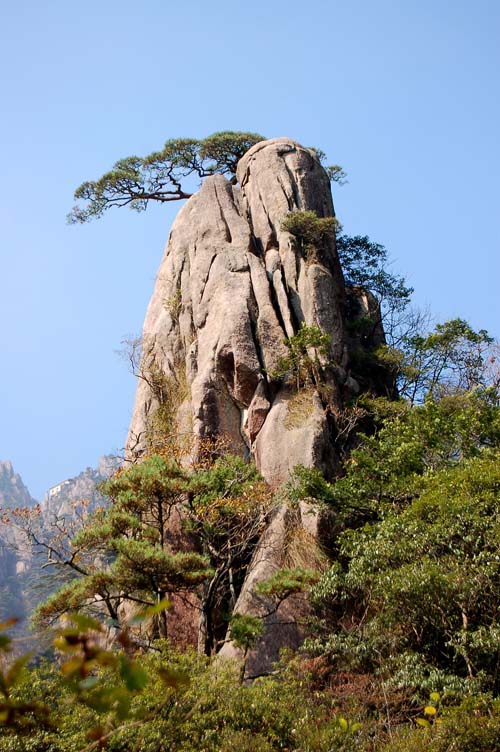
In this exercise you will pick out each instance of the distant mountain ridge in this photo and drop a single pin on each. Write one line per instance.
(21, 584)
(13, 492)
(59, 498)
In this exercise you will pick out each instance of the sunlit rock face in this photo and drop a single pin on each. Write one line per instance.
(231, 286)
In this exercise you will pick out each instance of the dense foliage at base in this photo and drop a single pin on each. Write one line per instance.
(403, 650)
(201, 705)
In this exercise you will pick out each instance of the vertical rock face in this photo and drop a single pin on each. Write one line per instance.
(230, 287)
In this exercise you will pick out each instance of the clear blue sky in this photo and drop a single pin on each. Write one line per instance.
(403, 94)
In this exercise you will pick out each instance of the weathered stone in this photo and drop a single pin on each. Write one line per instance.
(232, 285)
(292, 435)
(13, 492)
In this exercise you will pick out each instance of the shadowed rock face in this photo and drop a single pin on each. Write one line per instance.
(230, 287)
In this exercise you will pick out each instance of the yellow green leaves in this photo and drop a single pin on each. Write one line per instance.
(430, 711)
(347, 726)
(15, 713)
(308, 353)
(422, 722)
(173, 677)
(106, 681)
(286, 582)
(150, 611)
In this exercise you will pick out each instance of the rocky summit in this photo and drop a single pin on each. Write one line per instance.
(230, 288)
(232, 285)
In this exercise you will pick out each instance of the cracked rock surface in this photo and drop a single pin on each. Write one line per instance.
(230, 287)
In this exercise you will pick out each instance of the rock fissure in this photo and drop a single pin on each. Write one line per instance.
(276, 306)
(205, 282)
(293, 183)
(289, 199)
(294, 310)
(253, 315)
(229, 237)
(271, 241)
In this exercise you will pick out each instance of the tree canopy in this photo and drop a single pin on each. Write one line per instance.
(364, 264)
(162, 175)
(166, 175)
(451, 358)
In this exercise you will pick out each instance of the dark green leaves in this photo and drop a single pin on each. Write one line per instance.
(425, 582)
(364, 263)
(135, 181)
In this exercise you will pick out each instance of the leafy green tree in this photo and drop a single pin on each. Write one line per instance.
(453, 357)
(388, 469)
(228, 507)
(365, 264)
(127, 554)
(123, 554)
(335, 172)
(98, 699)
(422, 586)
(102, 699)
(414, 588)
(161, 176)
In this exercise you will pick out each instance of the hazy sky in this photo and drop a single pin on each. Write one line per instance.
(403, 94)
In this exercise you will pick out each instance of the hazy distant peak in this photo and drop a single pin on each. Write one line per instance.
(13, 492)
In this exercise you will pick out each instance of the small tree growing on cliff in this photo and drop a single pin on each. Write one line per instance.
(161, 176)
(166, 174)
(303, 363)
(365, 264)
(144, 358)
(310, 231)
